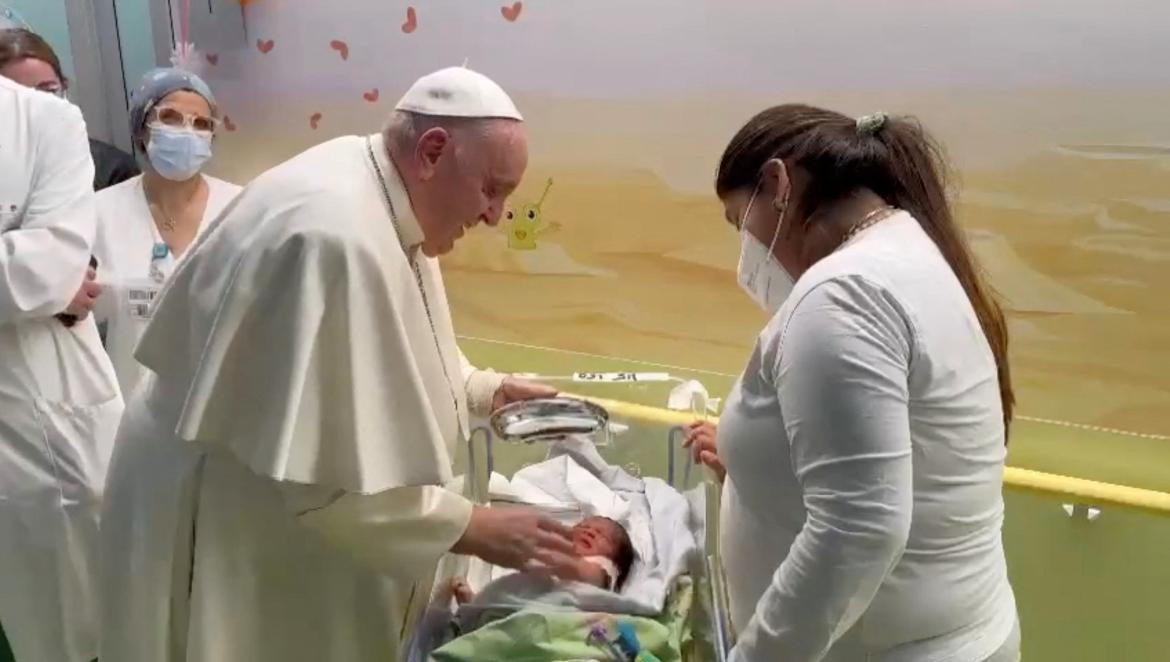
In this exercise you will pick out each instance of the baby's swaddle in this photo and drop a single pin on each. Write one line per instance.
(666, 536)
(656, 517)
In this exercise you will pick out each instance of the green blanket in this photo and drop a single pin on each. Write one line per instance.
(561, 636)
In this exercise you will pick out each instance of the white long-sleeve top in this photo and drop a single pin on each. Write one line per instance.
(864, 446)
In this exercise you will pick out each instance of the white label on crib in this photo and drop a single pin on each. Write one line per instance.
(621, 377)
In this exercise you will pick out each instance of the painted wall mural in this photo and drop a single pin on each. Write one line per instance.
(1053, 113)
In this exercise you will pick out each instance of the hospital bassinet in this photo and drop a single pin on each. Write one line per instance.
(641, 450)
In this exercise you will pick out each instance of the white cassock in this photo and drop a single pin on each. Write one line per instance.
(274, 493)
(59, 400)
(135, 262)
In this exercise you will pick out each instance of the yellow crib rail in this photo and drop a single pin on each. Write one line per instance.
(1077, 490)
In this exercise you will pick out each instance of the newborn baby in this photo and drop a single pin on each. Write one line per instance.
(605, 552)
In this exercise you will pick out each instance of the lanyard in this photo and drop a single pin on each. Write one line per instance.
(410, 257)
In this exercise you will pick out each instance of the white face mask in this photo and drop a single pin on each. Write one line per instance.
(177, 154)
(760, 274)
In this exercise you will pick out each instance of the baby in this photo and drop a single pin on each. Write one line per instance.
(605, 557)
(605, 550)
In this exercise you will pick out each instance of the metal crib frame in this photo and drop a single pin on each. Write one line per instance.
(722, 631)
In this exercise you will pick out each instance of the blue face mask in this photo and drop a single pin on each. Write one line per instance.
(177, 153)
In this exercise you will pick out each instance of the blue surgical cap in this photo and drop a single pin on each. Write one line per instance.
(158, 83)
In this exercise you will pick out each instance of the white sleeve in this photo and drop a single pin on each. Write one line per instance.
(43, 260)
(480, 386)
(842, 376)
(401, 532)
(106, 306)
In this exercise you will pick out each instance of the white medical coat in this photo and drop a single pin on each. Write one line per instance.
(274, 495)
(864, 444)
(59, 400)
(130, 271)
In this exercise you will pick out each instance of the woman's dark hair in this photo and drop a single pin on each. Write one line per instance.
(20, 44)
(897, 160)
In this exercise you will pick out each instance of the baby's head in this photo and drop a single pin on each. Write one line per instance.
(603, 538)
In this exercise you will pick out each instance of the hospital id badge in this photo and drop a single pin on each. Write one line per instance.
(140, 296)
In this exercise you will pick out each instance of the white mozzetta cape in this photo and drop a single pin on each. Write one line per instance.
(301, 331)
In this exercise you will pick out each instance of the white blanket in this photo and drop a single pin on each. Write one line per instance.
(666, 529)
(577, 482)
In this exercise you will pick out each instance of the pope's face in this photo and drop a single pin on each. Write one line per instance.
(483, 167)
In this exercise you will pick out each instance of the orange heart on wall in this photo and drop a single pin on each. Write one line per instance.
(341, 47)
(314, 120)
(265, 45)
(371, 96)
(212, 59)
(512, 13)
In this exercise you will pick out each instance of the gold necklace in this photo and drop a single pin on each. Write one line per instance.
(168, 221)
(872, 218)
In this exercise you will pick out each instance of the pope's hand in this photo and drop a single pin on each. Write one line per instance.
(519, 538)
(515, 389)
(701, 440)
(86, 296)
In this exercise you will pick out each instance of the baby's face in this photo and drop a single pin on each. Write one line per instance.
(597, 536)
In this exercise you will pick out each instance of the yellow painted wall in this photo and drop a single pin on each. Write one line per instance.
(1054, 114)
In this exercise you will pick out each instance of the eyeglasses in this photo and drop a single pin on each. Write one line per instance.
(174, 118)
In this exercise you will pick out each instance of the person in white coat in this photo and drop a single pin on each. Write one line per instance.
(276, 492)
(59, 399)
(28, 59)
(147, 223)
(864, 444)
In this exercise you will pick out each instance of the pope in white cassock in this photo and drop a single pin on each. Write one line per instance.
(275, 492)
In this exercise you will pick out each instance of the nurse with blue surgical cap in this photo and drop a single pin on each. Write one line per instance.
(146, 224)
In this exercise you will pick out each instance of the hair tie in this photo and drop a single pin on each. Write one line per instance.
(868, 125)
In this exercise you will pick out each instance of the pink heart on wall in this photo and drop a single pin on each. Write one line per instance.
(411, 21)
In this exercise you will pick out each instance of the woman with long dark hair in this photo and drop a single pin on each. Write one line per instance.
(864, 444)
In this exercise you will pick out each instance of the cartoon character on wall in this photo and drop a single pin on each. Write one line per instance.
(526, 224)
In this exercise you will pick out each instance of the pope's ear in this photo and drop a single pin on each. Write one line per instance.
(431, 147)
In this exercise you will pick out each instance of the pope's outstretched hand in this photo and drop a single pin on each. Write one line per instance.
(519, 538)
